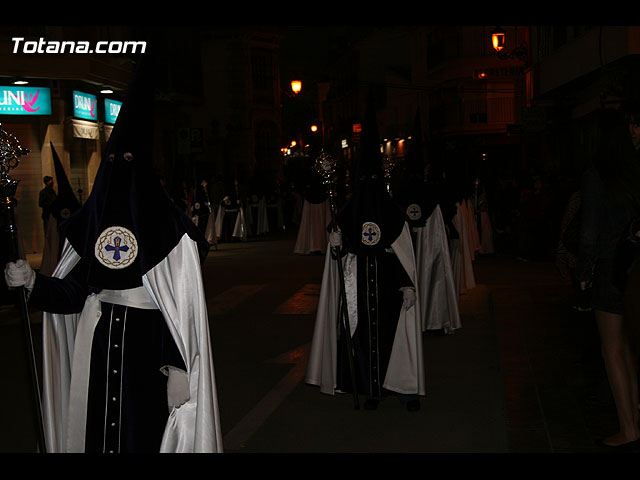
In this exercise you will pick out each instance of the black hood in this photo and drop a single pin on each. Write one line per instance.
(414, 195)
(66, 202)
(129, 223)
(370, 220)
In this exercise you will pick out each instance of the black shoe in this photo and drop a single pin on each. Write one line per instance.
(371, 404)
(413, 405)
(623, 447)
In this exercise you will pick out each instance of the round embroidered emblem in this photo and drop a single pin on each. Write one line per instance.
(414, 212)
(65, 213)
(370, 233)
(116, 248)
(196, 205)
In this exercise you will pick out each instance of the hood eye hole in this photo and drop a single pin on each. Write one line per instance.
(128, 157)
(111, 157)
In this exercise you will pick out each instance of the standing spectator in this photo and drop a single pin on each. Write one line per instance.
(534, 230)
(608, 188)
(46, 199)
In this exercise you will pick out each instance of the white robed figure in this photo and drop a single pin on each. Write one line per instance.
(434, 272)
(374, 245)
(127, 361)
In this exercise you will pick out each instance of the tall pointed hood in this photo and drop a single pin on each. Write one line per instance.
(414, 196)
(66, 202)
(415, 157)
(370, 220)
(129, 223)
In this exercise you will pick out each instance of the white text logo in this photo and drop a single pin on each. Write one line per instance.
(20, 45)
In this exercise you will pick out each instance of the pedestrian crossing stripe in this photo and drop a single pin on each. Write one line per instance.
(303, 302)
(231, 298)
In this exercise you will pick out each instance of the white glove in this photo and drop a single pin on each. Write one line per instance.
(335, 238)
(177, 387)
(409, 297)
(19, 274)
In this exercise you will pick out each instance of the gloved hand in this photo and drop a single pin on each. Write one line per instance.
(335, 238)
(409, 297)
(177, 387)
(19, 274)
(585, 285)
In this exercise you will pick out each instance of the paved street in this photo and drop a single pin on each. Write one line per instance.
(523, 374)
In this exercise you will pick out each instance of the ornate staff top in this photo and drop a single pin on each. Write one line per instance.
(387, 167)
(325, 166)
(10, 153)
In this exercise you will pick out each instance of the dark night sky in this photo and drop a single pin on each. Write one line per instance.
(304, 48)
(307, 47)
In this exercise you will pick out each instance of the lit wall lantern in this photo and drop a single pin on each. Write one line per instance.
(296, 86)
(497, 39)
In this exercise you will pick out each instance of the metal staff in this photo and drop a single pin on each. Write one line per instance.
(325, 167)
(387, 167)
(10, 151)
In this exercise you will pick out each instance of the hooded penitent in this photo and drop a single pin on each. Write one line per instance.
(66, 203)
(315, 217)
(61, 209)
(419, 200)
(129, 223)
(378, 266)
(124, 312)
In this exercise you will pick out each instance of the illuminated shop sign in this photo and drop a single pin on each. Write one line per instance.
(84, 106)
(111, 110)
(25, 101)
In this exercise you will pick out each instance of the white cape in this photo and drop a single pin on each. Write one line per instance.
(438, 294)
(472, 236)
(486, 233)
(261, 222)
(210, 231)
(461, 258)
(51, 246)
(175, 287)
(239, 228)
(312, 234)
(405, 373)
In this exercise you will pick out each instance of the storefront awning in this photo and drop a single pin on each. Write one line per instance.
(84, 129)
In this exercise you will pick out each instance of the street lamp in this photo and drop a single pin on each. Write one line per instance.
(296, 86)
(498, 39)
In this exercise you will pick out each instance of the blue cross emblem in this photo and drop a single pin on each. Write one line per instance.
(414, 212)
(369, 233)
(117, 248)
